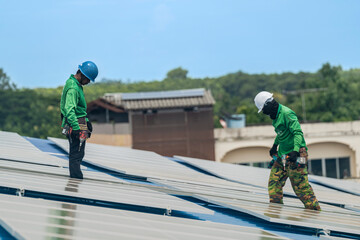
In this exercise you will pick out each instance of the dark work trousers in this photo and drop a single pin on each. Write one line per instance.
(76, 157)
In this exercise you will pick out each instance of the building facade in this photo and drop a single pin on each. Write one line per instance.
(334, 148)
(166, 122)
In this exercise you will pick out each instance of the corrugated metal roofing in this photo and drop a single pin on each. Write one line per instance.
(160, 100)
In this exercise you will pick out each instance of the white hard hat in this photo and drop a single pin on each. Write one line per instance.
(261, 98)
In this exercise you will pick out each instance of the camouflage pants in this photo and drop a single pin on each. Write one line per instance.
(299, 181)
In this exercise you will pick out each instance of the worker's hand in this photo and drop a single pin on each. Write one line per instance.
(90, 128)
(75, 133)
(293, 156)
(271, 164)
(273, 150)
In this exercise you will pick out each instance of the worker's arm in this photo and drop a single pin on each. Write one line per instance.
(295, 129)
(70, 105)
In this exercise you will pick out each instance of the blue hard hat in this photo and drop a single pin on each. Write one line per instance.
(89, 69)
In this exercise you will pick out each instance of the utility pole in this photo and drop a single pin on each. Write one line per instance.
(302, 94)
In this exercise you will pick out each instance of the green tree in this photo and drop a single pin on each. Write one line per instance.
(5, 83)
(177, 73)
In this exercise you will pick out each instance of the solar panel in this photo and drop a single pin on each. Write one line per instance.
(238, 173)
(58, 171)
(43, 219)
(352, 207)
(347, 221)
(88, 189)
(213, 188)
(13, 147)
(140, 163)
(325, 237)
(199, 92)
(156, 167)
(344, 185)
(259, 177)
(241, 193)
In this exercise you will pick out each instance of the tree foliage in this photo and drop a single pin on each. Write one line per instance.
(177, 73)
(35, 112)
(5, 83)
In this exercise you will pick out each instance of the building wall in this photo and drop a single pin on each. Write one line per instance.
(324, 140)
(247, 154)
(116, 134)
(175, 132)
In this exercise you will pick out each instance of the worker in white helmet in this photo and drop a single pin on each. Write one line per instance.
(290, 159)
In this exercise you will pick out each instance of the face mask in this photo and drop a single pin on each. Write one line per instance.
(271, 108)
(266, 109)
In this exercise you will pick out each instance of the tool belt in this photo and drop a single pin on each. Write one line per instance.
(82, 124)
(67, 129)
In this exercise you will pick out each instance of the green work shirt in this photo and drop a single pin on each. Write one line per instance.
(72, 104)
(289, 134)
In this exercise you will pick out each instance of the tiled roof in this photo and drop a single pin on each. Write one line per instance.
(117, 99)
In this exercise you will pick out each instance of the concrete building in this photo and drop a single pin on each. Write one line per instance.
(334, 148)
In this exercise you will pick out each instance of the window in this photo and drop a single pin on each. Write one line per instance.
(330, 167)
(315, 167)
(256, 164)
(327, 167)
(260, 164)
(344, 167)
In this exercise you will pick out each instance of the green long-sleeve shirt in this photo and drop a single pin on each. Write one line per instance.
(72, 103)
(289, 134)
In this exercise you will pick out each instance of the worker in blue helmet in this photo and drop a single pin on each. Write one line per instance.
(76, 126)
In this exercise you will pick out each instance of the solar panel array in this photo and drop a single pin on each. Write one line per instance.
(350, 186)
(345, 221)
(170, 201)
(14, 148)
(259, 177)
(140, 163)
(43, 219)
(199, 92)
(109, 192)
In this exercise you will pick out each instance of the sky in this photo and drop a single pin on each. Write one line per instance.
(44, 41)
